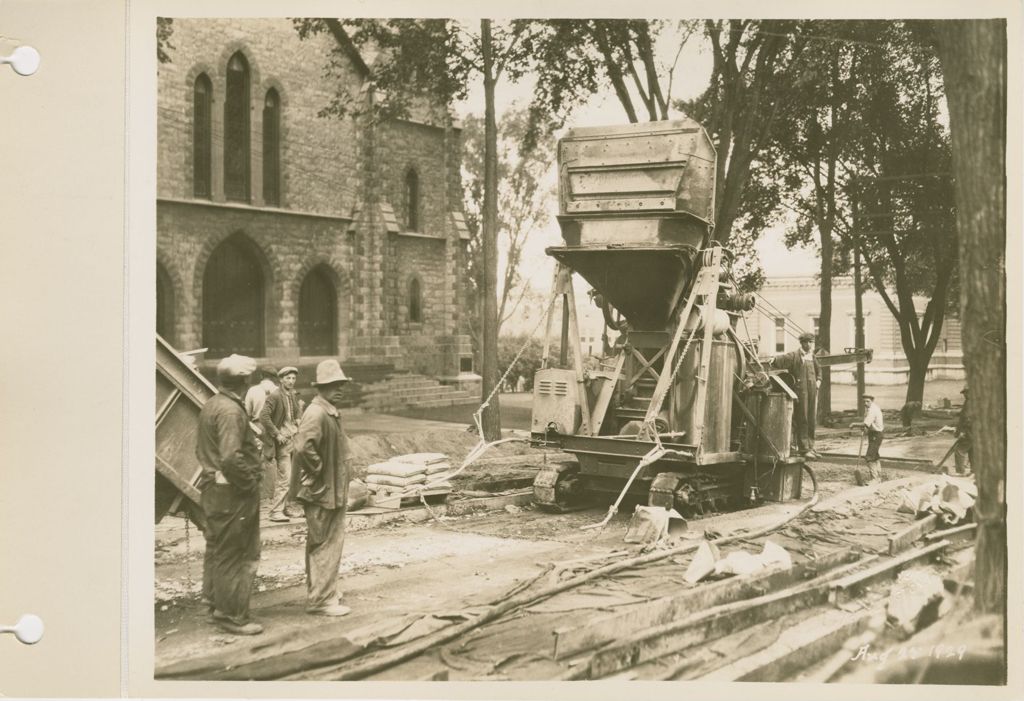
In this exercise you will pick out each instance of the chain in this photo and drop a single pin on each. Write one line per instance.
(188, 556)
(675, 371)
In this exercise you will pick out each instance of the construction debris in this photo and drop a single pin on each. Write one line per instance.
(651, 524)
(703, 562)
(915, 601)
(949, 498)
(707, 560)
(741, 562)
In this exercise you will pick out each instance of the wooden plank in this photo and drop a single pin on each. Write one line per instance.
(968, 531)
(848, 587)
(271, 658)
(711, 624)
(165, 408)
(598, 631)
(797, 648)
(901, 540)
(887, 463)
(165, 469)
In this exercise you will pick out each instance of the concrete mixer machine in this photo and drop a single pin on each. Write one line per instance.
(680, 413)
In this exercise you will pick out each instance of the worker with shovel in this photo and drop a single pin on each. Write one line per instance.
(873, 426)
(962, 449)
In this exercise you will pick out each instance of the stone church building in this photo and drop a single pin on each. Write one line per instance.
(292, 237)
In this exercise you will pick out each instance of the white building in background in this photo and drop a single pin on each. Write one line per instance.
(589, 318)
(791, 303)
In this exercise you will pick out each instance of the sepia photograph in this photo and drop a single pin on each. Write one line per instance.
(567, 349)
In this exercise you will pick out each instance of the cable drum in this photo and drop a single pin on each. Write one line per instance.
(696, 321)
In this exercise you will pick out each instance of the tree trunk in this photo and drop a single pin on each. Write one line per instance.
(825, 328)
(973, 54)
(918, 362)
(491, 418)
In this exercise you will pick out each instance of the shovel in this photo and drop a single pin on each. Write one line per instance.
(940, 463)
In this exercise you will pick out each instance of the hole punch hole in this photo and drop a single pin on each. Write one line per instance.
(24, 60)
(28, 630)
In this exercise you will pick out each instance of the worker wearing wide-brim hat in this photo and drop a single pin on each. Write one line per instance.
(230, 496)
(803, 366)
(962, 451)
(320, 479)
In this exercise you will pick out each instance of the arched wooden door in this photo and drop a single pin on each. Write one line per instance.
(318, 314)
(233, 299)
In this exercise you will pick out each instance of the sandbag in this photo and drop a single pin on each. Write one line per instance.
(436, 467)
(393, 468)
(396, 481)
(421, 458)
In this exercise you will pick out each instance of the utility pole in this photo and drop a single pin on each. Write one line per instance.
(858, 308)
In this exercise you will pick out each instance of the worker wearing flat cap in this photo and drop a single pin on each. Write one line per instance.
(874, 426)
(803, 366)
(962, 451)
(280, 422)
(230, 486)
(320, 480)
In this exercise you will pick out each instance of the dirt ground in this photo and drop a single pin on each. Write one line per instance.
(424, 567)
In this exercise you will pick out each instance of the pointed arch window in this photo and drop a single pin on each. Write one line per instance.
(202, 98)
(236, 130)
(412, 200)
(415, 301)
(272, 148)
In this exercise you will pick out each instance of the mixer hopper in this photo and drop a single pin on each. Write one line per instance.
(635, 204)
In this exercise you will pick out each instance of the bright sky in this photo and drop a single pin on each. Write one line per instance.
(689, 79)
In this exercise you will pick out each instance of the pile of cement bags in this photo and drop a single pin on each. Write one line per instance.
(408, 475)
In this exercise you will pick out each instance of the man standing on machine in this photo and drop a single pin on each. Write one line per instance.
(803, 366)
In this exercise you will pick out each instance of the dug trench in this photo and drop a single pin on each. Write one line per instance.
(413, 577)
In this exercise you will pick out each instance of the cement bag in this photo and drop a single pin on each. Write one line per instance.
(357, 495)
(739, 562)
(396, 481)
(703, 562)
(436, 467)
(391, 468)
(421, 458)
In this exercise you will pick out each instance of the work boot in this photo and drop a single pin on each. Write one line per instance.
(812, 454)
(278, 518)
(226, 624)
(330, 610)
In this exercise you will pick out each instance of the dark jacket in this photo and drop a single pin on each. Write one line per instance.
(275, 412)
(320, 464)
(225, 442)
(963, 424)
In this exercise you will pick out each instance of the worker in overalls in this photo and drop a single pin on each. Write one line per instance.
(803, 366)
